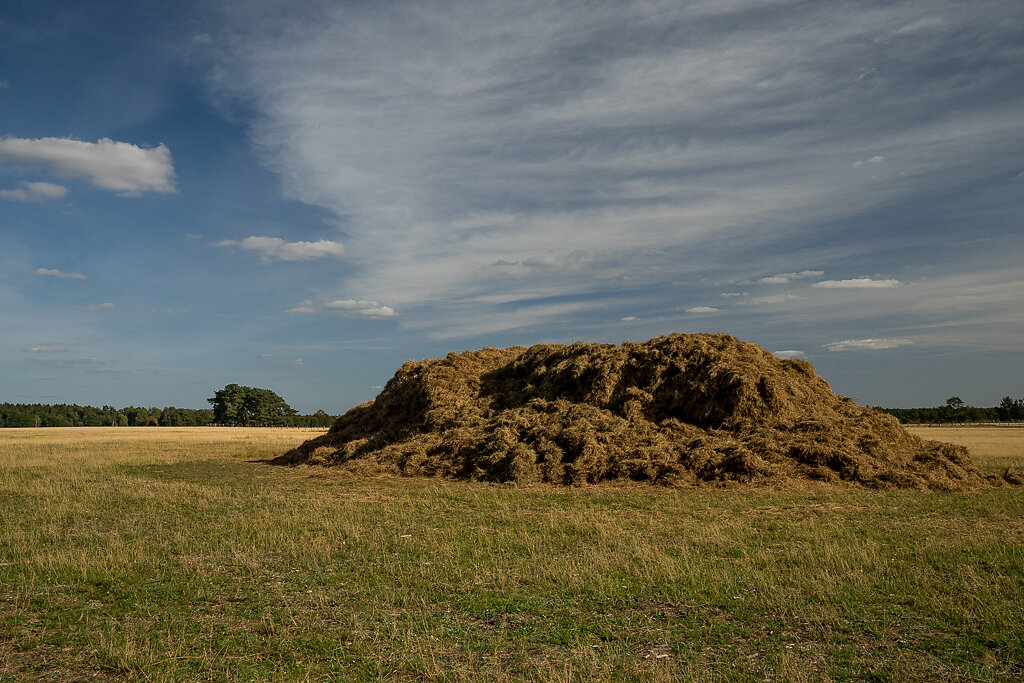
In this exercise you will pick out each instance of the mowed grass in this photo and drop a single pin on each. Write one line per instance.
(179, 554)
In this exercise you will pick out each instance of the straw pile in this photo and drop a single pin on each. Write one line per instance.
(677, 410)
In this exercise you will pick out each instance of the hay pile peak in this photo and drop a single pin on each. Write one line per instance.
(679, 409)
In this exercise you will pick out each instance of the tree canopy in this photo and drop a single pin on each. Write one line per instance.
(243, 406)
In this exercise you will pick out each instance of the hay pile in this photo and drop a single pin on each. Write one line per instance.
(679, 409)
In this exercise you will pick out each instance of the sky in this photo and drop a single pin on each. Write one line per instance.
(302, 195)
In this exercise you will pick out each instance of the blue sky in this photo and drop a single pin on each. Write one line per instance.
(303, 195)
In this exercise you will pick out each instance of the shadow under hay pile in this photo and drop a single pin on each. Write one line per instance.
(677, 410)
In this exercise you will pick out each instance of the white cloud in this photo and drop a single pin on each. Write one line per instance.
(276, 249)
(106, 306)
(790, 353)
(858, 283)
(771, 299)
(702, 309)
(872, 160)
(361, 308)
(34, 192)
(58, 273)
(628, 318)
(48, 348)
(866, 344)
(119, 166)
(783, 278)
(302, 307)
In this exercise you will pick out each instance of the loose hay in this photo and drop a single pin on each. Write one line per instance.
(677, 410)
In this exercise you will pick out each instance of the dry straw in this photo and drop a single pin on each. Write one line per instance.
(676, 410)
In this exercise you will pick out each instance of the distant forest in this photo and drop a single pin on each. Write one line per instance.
(955, 410)
(64, 415)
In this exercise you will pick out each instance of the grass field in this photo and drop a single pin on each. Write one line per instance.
(178, 554)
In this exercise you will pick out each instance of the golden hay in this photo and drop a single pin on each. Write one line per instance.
(680, 409)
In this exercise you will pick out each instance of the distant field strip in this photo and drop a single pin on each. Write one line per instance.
(994, 447)
(166, 554)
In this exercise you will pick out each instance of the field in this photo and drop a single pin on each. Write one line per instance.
(179, 554)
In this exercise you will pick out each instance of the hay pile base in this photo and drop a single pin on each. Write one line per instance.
(679, 409)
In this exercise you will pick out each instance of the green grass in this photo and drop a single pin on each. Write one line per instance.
(171, 556)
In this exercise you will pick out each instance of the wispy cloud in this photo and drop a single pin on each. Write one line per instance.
(34, 192)
(789, 353)
(491, 150)
(867, 344)
(702, 309)
(858, 283)
(58, 273)
(119, 166)
(276, 249)
(105, 306)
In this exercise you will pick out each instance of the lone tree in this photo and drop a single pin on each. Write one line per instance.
(241, 406)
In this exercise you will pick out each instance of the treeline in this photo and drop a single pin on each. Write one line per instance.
(955, 410)
(64, 415)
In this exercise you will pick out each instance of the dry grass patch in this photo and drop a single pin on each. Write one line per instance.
(995, 447)
(197, 561)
